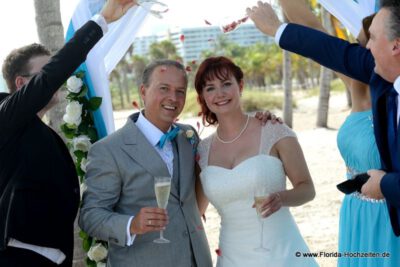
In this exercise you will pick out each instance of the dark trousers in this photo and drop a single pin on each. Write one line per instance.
(18, 257)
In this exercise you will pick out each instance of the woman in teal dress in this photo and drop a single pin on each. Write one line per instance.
(364, 224)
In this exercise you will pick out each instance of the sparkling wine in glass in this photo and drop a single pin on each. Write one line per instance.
(260, 194)
(162, 188)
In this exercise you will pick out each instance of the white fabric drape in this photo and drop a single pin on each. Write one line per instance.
(103, 58)
(350, 12)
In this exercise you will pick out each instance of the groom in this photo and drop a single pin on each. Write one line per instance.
(119, 203)
(378, 66)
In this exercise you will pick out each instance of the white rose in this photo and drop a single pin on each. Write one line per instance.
(81, 143)
(73, 113)
(83, 188)
(74, 84)
(101, 264)
(84, 163)
(97, 252)
(189, 133)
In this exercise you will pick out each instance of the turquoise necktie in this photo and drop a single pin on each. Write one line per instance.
(170, 135)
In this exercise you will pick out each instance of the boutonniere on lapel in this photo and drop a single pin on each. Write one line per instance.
(191, 137)
(219, 252)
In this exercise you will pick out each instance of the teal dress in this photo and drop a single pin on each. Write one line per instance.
(364, 224)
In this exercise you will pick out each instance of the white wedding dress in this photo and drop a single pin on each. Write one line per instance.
(231, 191)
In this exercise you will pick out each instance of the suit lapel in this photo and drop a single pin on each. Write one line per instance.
(378, 89)
(141, 151)
(186, 158)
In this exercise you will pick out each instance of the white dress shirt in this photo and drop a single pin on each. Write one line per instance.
(396, 86)
(396, 83)
(153, 135)
(53, 254)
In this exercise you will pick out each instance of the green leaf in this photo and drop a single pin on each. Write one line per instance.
(79, 154)
(83, 92)
(94, 103)
(83, 127)
(86, 244)
(90, 263)
(83, 234)
(92, 133)
(67, 131)
(80, 74)
(79, 170)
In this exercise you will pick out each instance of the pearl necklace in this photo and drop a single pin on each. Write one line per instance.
(237, 137)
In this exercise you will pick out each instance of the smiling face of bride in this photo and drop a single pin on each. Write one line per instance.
(222, 95)
(219, 84)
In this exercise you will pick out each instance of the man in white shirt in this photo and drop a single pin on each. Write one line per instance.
(378, 66)
(39, 188)
(120, 206)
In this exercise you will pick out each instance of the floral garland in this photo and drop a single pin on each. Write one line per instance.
(81, 133)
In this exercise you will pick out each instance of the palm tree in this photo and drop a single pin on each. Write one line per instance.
(287, 88)
(325, 79)
(51, 35)
(163, 50)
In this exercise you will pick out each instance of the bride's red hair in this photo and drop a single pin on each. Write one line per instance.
(221, 68)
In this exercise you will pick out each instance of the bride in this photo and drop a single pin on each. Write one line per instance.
(243, 155)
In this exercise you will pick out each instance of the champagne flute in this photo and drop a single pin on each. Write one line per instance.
(162, 188)
(156, 12)
(260, 194)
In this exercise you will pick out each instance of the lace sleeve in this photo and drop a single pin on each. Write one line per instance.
(271, 134)
(203, 150)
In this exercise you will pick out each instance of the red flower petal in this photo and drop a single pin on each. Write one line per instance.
(243, 19)
(219, 252)
(135, 105)
(233, 25)
(188, 68)
(207, 22)
(182, 38)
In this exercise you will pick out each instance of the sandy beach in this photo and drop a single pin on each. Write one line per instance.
(317, 220)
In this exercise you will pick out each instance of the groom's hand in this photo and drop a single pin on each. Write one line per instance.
(115, 9)
(149, 219)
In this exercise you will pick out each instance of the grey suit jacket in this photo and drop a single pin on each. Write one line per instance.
(120, 182)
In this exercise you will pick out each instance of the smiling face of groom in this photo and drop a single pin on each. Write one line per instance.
(164, 94)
